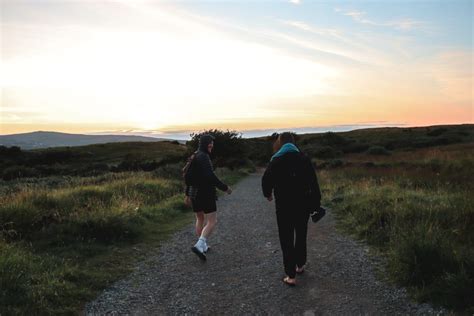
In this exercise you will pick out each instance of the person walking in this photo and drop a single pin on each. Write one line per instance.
(202, 194)
(291, 178)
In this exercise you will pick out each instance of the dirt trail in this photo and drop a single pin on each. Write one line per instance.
(243, 272)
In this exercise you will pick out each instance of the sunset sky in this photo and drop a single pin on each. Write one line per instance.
(165, 68)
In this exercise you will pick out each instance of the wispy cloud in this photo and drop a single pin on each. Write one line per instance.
(309, 28)
(350, 44)
(295, 1)
(404, 24)
(358, 16)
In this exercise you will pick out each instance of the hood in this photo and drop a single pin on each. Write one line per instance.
(204, 141)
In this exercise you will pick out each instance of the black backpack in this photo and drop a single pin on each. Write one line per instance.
(188, 170)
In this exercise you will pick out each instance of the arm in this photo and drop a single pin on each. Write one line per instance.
(313, 180)
(268, 182)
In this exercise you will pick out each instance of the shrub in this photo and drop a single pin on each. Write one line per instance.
(378, 150)
(333, 139)
(355, 147)
(15, 172)
(436, 132)
(13, 151)
(324, 152)
(228, 146)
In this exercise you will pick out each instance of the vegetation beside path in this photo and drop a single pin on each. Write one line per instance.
(60, 247)
(415, 207)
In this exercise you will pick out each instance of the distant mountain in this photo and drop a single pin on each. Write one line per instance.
(42, 139)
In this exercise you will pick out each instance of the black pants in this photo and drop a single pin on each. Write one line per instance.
(293, 229)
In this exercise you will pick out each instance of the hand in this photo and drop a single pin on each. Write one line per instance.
(229, 190)
(270, 198)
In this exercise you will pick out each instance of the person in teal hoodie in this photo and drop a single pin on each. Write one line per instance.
(291, 178)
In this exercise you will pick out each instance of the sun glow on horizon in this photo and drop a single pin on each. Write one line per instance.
(153, 65)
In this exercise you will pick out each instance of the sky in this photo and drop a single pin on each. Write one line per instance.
(166, 68)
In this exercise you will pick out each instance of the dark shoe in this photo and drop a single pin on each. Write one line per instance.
(207, 250)
(200, 254)
(286, 280)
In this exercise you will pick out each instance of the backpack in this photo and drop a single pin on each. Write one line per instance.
(188, 171)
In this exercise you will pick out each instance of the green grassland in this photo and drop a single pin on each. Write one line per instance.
(416, 208)
(65, 237)
(91, 160)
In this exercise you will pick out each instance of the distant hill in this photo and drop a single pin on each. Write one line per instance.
(42, 139)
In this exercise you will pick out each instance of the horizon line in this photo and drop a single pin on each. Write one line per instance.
(251, 133)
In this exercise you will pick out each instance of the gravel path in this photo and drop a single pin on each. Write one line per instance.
(244, 269)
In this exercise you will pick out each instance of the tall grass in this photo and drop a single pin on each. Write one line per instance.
(55, 244)
(61, 245)
(420, 216)
(104, 212)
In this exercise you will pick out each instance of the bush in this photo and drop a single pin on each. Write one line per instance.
(324, 152)
(436, 132)
(333, 139)
(13, 151)
(355, 147)
(15, 172)
(334, 163)
(378, 150)
(229, 149)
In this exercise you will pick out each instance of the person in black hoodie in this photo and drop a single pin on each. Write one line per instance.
(203, 195)
(291, 178)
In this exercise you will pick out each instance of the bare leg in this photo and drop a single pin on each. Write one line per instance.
(199, 222)
(211, 221)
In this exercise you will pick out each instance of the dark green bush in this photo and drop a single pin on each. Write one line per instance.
(15, 172)
(378, 150)
(229, 148)
(333, 139)
(323, 152)
(436, 132)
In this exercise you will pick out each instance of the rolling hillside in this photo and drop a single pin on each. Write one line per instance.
(42, 139)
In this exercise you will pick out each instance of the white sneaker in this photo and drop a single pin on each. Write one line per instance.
(199, 251)
(201, 246)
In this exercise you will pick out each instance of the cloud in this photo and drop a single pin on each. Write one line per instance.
(348, 47)
(309, 28)
(295, 1)
(404, 24)
(359, 16)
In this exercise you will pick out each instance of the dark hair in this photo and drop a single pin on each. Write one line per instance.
(204, 141)
(286, 137)
(283, 138)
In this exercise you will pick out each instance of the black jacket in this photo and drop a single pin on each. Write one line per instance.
(203, 173)
(292, 179)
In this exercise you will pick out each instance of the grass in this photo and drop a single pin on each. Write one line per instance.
(60, 246)
(91, 160)
(416, 208)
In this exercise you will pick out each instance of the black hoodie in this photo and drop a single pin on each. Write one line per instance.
(206, 179)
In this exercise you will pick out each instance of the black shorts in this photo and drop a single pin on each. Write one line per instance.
(205, 201)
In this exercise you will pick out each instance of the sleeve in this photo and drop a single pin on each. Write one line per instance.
(209, 175)
(268, 181)
(313, 180)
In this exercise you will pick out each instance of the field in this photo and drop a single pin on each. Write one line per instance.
(67, 235)
(414, 207)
